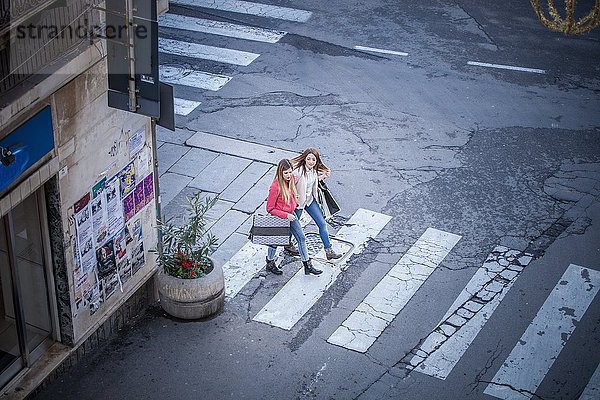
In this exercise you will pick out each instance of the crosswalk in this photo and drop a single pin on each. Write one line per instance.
(525, 368)
(592, 389)
(189, 77)
(439, 352)
(219, 28)
(194, 50)
(293, 301)
(181, 75)
(184, 107)
(443, 348)
(246, 7)
(378, 309)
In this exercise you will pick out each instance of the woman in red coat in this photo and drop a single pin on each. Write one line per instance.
(282, 201)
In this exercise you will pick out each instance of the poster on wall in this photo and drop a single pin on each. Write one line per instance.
(105, 256)
(110, 284)
(136, 142)
(121, 256)
(136, 246)
(149, 188)
(127, 178)
(85, 234)
(99, 213)
(143, 164)
(93, 297)
(120, 245)
(81, 285)
(114, 206)
(124, 268)
(109, 239)
(129, 207)
(139, 197)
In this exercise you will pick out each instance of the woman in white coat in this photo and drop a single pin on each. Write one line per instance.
(308, 170)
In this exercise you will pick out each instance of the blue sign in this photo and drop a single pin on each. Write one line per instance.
(29, 143)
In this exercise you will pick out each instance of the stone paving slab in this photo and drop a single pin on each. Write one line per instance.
(239, 148)
(170, 186)
(193, 162)
(178, 205)
(217, 212)
(177, 137)
(245, 181)
(169, 154)
(220, 173)
(229, 247)
(228, 224)
(244, 228)
(253, 199)
(177, 208)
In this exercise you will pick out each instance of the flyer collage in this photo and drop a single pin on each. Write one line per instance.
(109, 242)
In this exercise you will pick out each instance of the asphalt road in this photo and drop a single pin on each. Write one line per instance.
(500, 157)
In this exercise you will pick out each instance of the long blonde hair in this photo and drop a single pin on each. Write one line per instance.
(286, 189)
(300, 161)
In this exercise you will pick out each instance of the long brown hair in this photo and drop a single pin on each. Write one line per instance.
(286, 189)
(300, 161)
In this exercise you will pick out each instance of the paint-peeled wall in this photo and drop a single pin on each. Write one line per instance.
(106, 187)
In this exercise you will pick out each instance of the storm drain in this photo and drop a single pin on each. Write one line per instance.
(316, 250)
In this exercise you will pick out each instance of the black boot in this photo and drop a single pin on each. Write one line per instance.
(309, 269)
(332, 255)
(291, 250)
(273, 268)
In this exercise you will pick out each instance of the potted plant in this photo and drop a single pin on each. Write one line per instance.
(190, 283)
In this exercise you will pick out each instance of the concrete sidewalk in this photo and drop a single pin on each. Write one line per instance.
(237, 172)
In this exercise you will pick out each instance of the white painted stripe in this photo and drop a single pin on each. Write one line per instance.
(442, 353)
(533, 356)
(242, 267)
(246, 7)
(246, 263)
(188, 77)
(374, 50)
(301, 292)
(184, 107)
(509, 67)
(220, 28)
(201, 51)
(360, 330)
(592, 389)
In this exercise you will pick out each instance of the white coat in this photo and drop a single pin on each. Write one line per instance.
(301, 182)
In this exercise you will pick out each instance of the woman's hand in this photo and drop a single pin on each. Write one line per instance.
(291, 217)
(324, 174)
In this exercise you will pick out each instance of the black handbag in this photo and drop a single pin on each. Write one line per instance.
(270, 230)
(329, 206)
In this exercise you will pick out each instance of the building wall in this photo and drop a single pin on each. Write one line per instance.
(94, 142)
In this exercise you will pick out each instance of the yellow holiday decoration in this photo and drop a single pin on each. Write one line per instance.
(567, 24)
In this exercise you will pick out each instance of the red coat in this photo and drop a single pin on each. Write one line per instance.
(276, 205)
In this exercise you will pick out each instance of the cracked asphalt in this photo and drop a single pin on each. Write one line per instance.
(502, 158)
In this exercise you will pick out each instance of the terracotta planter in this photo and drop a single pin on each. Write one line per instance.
(192, 298)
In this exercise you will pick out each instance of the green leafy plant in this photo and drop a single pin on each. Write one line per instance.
(183, 249)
